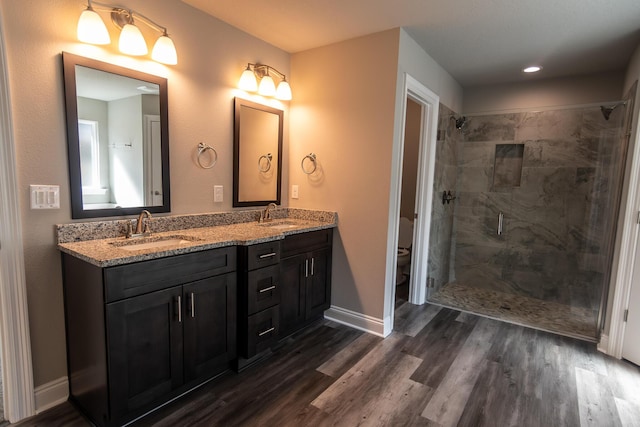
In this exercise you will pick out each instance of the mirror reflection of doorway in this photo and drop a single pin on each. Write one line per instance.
(152, 160)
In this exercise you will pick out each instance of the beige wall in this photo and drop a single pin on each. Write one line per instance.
(346, 110)
(593, 88)
(211, 57)
(344, 113)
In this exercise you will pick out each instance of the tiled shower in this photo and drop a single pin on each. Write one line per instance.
(529, 236)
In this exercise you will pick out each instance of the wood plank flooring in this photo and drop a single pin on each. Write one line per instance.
(439, 368)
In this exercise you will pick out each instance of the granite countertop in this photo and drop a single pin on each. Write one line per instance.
(112, 251)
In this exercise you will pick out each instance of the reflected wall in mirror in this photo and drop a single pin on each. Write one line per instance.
(257, 154)
(117, 138)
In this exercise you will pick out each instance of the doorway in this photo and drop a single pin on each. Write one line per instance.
(428, 103)
(412, 132)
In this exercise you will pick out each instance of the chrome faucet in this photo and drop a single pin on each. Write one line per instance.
(142, 226)
(265, 215)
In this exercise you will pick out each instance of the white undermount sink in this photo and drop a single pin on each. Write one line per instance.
(137, 244)
(279, 224)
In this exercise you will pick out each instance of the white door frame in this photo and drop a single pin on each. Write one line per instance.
(17, 374)
(430, 103)
(624, 267)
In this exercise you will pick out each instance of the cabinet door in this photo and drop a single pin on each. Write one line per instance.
(209, 326)
(318, 283)
(292, 293)
(145, 349)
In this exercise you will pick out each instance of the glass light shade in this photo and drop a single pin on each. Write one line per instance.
(131, 41)
(248, 81)
(284, 91)
(91, 28)
(267, 86)
(164, 51)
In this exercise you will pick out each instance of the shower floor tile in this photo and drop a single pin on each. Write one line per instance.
(549, 316)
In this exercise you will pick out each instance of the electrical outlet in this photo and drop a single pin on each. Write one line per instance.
(217, 193)
(294, 191)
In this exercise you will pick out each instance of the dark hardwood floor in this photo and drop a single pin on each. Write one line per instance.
(440, 367)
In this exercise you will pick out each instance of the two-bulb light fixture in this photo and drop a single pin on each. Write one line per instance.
(267, 87)
(91, 29)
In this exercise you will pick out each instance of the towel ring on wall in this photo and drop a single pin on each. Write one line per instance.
(312, 159)
(202, 147)
(267, 167)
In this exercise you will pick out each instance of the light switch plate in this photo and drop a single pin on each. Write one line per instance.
(45, 196)
(217, 193)
(294, 191)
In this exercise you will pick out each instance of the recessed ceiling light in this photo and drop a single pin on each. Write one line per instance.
(532, 69)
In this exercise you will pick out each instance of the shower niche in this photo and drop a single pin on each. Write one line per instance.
(507, 170)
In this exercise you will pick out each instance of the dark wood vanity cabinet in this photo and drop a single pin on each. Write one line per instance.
(141, 334)
(283, 286)
(259, 294)
(305, 275)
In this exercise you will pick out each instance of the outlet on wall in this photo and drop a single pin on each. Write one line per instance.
(217, 193)
(294, 192)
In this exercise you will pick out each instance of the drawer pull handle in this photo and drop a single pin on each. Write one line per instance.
(179, 301)
(267, 289)
(267, 331)
(313, 266)
(270, 255)
(193, 304)
(306, 267)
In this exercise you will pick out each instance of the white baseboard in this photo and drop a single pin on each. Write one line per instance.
(603, 345)
(51, 394)
(356, 320)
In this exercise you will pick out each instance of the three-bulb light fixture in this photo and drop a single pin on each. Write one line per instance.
(91, 29)
(267, 87)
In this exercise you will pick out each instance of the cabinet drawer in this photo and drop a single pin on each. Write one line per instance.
(129, 280)
(263, 288)
(262, 330)
(299, 243)
(263, 254)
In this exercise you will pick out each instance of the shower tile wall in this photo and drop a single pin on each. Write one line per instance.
(445, 179)
(555, 244)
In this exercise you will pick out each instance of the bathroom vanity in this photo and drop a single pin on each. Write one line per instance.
(283, 286)
(151, 321)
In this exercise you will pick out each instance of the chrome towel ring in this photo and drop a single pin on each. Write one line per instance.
(312, 159)
(267, 166)
(202, 147)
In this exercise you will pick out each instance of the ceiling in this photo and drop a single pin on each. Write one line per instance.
(478, 42)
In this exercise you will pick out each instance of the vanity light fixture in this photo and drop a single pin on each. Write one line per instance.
(91, 29)
(249, 81)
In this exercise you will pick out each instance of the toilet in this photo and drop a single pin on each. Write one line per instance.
(405, 239)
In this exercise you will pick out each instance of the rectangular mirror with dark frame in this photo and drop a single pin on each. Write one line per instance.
(257, 154)
(117, 137)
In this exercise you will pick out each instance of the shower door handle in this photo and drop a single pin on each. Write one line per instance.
(500, 222)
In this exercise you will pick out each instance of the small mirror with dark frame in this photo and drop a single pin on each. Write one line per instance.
(117, 139)
(257, 154)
